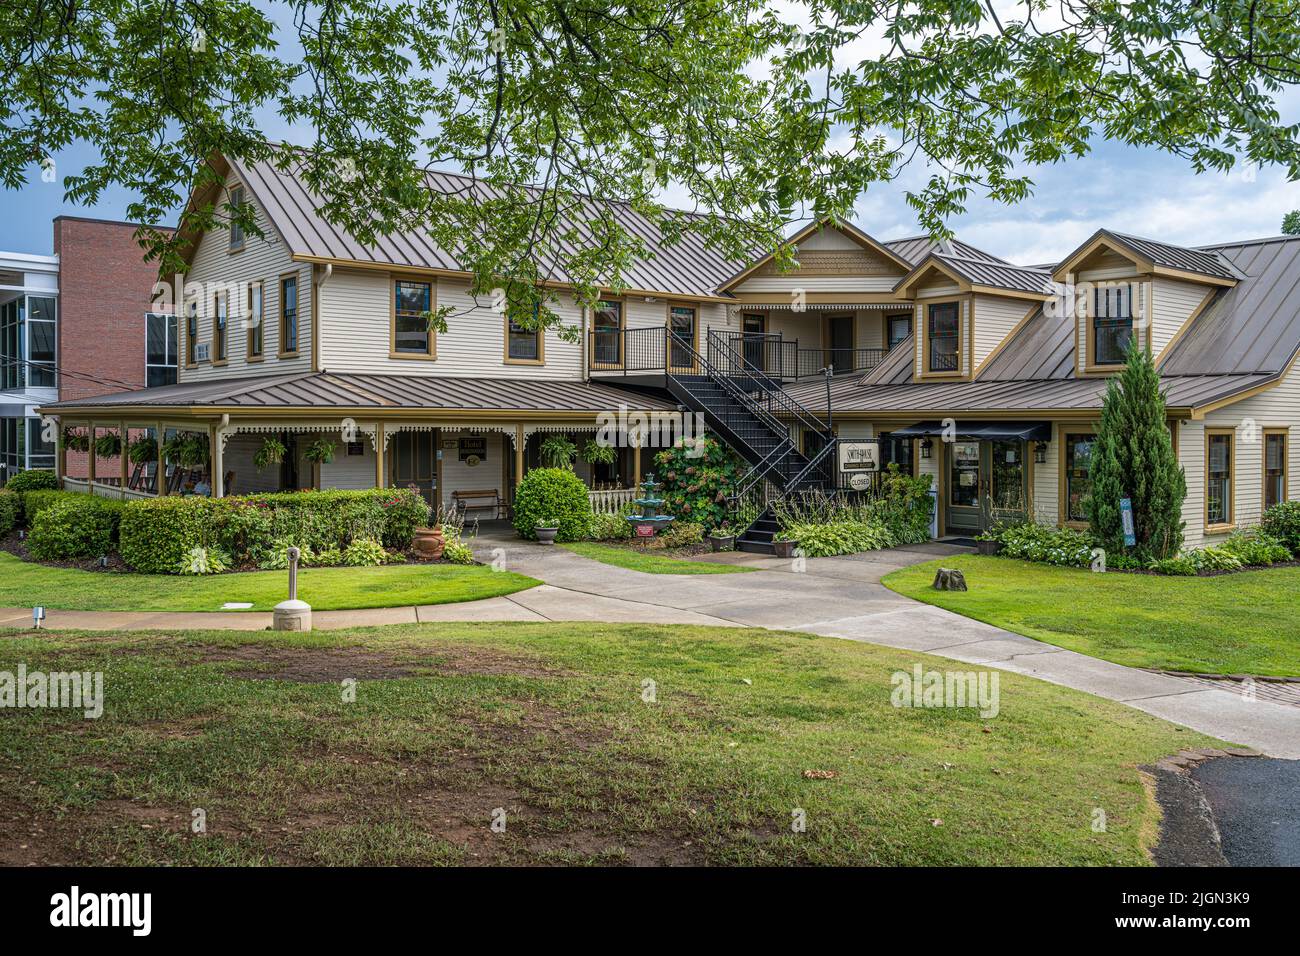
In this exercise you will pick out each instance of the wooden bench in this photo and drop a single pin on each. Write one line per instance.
(490, 498)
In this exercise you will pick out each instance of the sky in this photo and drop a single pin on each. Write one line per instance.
(1140, 191)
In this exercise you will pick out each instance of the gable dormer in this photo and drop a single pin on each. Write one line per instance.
(965, 309)
(829, 258)
(1117, 288)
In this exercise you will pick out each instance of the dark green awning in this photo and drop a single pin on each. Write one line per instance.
(982, 431)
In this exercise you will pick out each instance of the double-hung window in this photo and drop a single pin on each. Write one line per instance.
(220, 323)
(943, 332)
(1112, 323)
(289, 316)
(412, 302)
(160, 349)
(236, 230)
(1275, 476)
(1218, 477)
(900, 329)
(256, 328)
(192, 333)
(524, 339)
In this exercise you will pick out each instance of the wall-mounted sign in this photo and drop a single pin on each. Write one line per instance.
(356, 448)
(473, 446)
(859, 455)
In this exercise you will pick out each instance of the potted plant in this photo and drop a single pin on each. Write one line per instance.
(546, 529)
(986, 542)
(143, 450)
(722, 538)
(429, 542)
(319, 452)
(272, 452)
(556, 451)
(108, 445)
(785, 547)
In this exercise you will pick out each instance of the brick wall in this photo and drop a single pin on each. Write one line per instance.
(104, 292)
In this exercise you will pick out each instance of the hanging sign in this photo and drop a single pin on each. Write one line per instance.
(859, 455)
(1126, 518)
(473, 446)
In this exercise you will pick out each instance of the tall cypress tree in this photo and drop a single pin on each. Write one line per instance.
(1134, 458)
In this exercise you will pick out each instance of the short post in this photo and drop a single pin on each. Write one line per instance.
(292, 615)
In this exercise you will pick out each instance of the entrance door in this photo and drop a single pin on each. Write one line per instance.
(414, 462)
(987, 483)
(841, 339)
(754, 327)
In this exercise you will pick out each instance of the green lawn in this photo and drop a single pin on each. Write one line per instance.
(1230, 624)
(23, 584)
(646, 561)
(548, 723)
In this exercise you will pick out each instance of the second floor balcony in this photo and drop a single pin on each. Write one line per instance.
(658, 349)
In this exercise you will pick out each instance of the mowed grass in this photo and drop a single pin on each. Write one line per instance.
(647, 561)
(23, 584)
(556, 730)
(1243, 623)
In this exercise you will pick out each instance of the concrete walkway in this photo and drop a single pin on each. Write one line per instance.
(836, 597)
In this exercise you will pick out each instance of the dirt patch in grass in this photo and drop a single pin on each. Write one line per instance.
(318, 665)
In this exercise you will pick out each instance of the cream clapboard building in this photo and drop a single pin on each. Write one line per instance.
(985, 374)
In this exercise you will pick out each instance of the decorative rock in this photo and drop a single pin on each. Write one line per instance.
(1243, 752)
(949, 579)
(291, 615)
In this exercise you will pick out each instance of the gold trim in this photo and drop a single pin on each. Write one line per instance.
(1060, 430)
(963, 342)
(281, 351)
(430, 352)
(847, 229)
(1210, 296)
(1285, 433)
(540, 333)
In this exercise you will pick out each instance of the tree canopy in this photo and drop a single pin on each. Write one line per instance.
(761, 121)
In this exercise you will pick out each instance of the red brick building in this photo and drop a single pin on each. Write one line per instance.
(106, 343)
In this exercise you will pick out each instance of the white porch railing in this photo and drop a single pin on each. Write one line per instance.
(610, 501)
(104, 491)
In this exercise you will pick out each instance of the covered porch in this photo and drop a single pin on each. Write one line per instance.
(463, 444)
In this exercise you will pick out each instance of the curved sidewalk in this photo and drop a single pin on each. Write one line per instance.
(836, 597)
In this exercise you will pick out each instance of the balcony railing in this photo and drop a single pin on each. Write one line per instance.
(741, 354)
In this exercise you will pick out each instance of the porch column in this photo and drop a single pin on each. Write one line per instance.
(121, 461)
(636, 464)
(60, 455)
(90, 467)
(519, 454)
(215, 453)
(379, 455)
(160, 476)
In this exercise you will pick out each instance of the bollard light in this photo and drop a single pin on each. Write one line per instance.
(38, 615)
(294, 554)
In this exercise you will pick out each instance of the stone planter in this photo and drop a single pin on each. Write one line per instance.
(547, 535)
(988, 547)
(785, 549)
(721, 542)
(429, 542)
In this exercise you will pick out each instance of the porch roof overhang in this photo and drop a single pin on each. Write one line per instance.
(988, 431)
(332, 395)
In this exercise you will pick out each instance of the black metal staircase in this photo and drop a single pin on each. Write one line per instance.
(748, 408)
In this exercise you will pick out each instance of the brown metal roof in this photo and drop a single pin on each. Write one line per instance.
(916, 248)
(687, 267)
(1043, 397)
(1165, 254)
(1253, 326)
(1041, 349)
(999, 275)
(314, 391)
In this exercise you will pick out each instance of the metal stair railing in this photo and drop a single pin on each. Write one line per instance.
(773, 394)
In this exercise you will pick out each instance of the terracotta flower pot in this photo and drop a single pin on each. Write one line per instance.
(429, 542)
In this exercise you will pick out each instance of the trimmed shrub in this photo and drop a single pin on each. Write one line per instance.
(1030, 541)
(1282, 521)
(34, 502)
(11, 509)
(608, 527)
(83, 526)
(679, 534)
(35, 480)
(158, 534)
(259, 529)
(553, 494)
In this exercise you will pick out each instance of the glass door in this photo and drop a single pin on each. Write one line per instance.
(841, 340)
(754, 328)
(987, 483)
(414, 462)
(964, 479)
(681, 328)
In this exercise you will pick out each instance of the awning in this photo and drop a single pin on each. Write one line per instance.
(983, 431)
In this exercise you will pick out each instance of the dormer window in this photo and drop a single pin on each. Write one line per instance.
(1112, 323)
(943, 337)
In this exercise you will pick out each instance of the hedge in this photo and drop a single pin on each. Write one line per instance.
(159, 533)
(76, 526)
(553, 494)
(11, 508)
(34, 502)
(36, 480)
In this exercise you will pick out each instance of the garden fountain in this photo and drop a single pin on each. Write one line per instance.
(650, 521)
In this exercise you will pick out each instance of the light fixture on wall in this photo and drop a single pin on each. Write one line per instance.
(926, 447)
(1040, 453)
